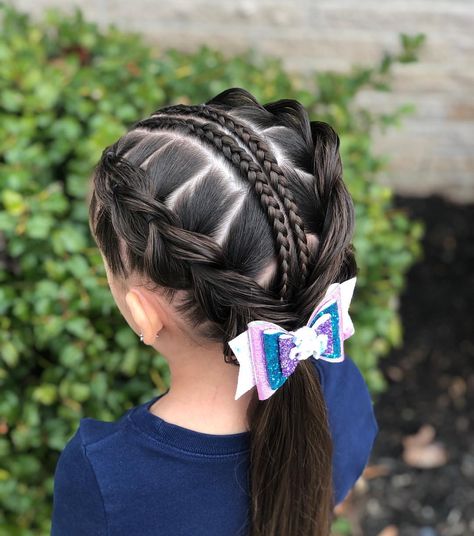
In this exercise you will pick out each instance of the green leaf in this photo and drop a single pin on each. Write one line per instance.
(80, 391)
(71, 356)
(45, 394)
(9, 354)
(13, 202)
(39, 226)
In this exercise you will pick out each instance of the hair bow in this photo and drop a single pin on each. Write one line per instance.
(269, 354)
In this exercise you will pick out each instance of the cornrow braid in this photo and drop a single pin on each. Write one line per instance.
(249, 170)
(265, 157)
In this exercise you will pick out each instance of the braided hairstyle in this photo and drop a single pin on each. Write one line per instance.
(202, 200)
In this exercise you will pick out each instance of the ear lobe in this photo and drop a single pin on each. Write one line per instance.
(145, 317)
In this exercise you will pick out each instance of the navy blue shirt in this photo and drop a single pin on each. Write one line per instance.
(143, 476)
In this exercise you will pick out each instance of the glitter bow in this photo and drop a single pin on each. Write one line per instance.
(268, 354)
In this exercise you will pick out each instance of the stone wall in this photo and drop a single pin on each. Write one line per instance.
(432, 150)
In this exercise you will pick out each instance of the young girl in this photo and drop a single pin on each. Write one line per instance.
(225, 230)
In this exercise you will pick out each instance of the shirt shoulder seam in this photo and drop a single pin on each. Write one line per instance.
(96, 441)
(89, 463)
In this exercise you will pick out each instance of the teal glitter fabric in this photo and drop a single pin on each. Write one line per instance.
(274, 374)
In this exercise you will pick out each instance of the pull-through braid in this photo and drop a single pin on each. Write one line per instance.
(265, 157)
(249, 170)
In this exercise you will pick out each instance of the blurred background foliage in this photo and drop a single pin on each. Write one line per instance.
(68, 89)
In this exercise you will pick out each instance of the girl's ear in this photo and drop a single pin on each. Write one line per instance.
(144, 314)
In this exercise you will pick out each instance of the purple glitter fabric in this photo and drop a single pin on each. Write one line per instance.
(326, 328)
(288, 365)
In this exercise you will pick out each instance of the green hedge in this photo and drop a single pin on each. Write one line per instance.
(68, 89)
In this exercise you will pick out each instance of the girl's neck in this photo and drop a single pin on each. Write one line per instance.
(201, 396)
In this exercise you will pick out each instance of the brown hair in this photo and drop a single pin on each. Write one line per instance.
(201, 199)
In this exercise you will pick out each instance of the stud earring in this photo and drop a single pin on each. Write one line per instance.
(141, 336)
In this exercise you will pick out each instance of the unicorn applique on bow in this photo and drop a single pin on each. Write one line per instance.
(268, 354)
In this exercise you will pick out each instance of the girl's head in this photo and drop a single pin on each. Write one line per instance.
(228, 212)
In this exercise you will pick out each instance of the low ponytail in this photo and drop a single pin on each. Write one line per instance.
(291, 459)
